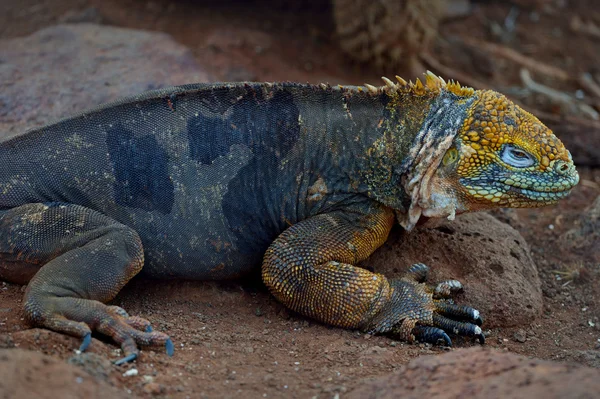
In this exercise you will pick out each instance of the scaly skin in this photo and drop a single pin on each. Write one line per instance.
(203, 181)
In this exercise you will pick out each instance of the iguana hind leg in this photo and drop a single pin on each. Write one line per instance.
(310, 268)
(84, 259)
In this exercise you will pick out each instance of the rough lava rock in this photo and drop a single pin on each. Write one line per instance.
(489, 257)
(483, 373)
(28, 374)
(65, 69)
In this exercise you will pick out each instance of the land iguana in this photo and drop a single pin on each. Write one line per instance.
(209, 181)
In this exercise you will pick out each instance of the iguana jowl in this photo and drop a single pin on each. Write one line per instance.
(205, 181)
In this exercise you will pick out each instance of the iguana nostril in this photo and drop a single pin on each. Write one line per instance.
(562, 167)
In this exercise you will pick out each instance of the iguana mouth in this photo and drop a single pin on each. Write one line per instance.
(504, 194)
(539, 195)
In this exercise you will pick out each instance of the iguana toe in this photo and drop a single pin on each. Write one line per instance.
(458, 327)
(417, 273)
(134, 321)
(431, 335)
(138, 323)
(460, 312)
(447, 288)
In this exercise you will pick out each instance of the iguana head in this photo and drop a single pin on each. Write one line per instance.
(476, 150)
(505, 157)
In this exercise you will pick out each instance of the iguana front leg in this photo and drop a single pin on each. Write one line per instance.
(309, 268)
(84, 259)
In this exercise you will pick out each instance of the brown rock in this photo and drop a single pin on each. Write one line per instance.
(65, 69)
(27, 374)
(520, 336)
(483, 373)
(97, 366)
(489, 257)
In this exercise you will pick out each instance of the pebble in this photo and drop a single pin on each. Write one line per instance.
(520, 336)
(130, 373)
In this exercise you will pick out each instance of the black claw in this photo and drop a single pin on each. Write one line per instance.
(87, 339)
(126, 359)
(431, 335)
(170, 347)
(447, 340)
(481, 338)
(479, 321)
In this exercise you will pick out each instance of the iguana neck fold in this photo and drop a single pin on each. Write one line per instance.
(417, 131)
(435, 137)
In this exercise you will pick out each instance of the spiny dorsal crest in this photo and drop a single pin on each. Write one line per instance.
(433, 85)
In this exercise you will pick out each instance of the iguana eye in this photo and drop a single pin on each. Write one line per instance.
(516, 157)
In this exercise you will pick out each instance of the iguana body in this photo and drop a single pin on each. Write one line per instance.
(202, 181)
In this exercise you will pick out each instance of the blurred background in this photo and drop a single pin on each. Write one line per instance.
(541, 53)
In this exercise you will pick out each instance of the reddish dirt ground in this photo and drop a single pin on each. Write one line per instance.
(233, 337)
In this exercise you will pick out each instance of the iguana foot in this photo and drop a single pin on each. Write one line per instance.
(78, 317)
(418, 312)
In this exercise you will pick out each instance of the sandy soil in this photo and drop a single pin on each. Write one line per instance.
(234, 337)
